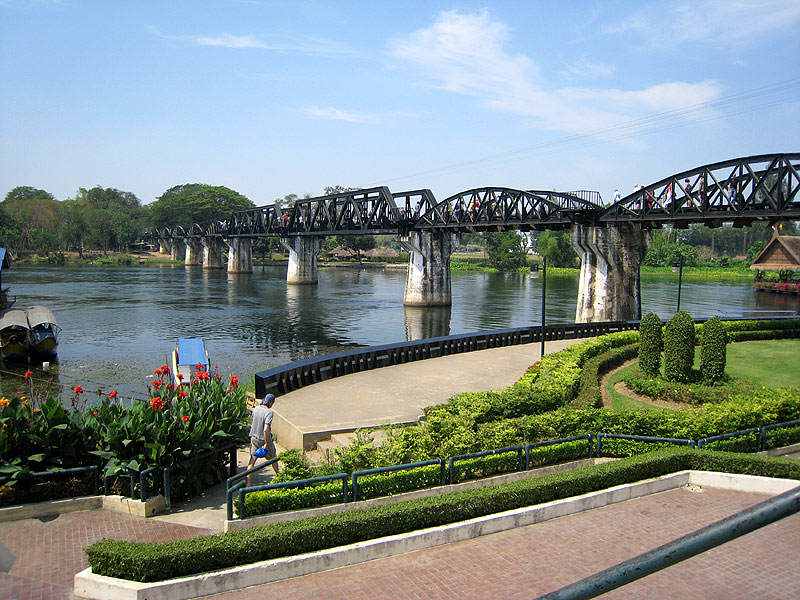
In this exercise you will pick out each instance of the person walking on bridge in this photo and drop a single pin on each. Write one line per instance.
(261, 444)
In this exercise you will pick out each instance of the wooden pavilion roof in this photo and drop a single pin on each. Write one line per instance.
(781, 253)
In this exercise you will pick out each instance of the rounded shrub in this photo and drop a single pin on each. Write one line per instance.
(679, 341)
(651, 343)
(714, 340)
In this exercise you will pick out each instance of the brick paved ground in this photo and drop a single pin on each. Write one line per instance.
(50, 553)
(533, 560)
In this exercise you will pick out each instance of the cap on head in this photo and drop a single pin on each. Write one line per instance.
(268, 399)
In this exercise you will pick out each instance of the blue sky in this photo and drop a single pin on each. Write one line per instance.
(272, 98)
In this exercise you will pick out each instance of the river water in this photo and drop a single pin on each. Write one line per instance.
(120, 323)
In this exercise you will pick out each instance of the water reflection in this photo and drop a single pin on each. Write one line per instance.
(119, 323)
(427, 321)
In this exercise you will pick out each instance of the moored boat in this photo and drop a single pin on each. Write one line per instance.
(43, 332)
(14, 332)
(187, 355)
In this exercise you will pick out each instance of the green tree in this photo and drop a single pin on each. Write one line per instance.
(679, 338)
(651, 343)
(505, 249)
(35, 212)
(356, 243)
(196, 203)
(667, 251)
(713, 350)
(555, 245)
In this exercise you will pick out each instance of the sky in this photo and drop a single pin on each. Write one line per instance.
(275, 98)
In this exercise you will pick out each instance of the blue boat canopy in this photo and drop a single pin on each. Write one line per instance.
(191, 351)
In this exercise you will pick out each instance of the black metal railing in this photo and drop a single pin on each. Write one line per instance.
(292, 376)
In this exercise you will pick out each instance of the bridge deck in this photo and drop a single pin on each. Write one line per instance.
(397, 394)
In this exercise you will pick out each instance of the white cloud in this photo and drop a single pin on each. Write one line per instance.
(587, 69)
(353, 116)
(719, 23)
(466, 54)
(284, 42)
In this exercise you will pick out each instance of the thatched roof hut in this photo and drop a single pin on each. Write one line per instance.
(781, 253)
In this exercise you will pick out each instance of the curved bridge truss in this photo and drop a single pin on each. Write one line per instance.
(741, 190)
(496, 209)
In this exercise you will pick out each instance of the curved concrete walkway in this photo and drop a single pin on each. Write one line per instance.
(399, 393)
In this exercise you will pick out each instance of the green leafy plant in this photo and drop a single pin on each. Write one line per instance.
(679, 340)
(651, 344)
(712, 351)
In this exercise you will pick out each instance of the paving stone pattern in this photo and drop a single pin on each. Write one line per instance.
(530, 561)
(49, 552)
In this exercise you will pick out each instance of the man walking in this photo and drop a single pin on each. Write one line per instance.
(261, 434)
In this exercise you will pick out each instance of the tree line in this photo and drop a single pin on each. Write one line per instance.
(32, 220)
(108, 219)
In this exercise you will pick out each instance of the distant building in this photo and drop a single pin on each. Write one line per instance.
(782, 253)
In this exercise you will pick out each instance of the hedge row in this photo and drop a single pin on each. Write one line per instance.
(762, 406)
(590, 393)
(158, 561)
(397, 482)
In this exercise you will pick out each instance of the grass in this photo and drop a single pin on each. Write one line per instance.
(778, 366)
(702, 273)
(779, 363)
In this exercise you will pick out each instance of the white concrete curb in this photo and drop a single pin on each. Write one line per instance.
(89, 585)
(123, 504)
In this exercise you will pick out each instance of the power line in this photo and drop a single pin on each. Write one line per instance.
(632, 127)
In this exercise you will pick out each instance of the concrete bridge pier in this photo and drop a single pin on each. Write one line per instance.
(164, 247)
(428, 278)
(609, 288)
(213, 249)
(303, 251)
(177, 250)
(194, 252)
(240, 255)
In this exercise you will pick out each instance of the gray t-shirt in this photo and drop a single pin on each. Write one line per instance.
(261, 416)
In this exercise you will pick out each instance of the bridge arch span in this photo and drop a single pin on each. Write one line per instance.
(742, 190)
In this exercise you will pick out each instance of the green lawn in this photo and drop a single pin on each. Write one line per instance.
(774, 363)
(771, 362)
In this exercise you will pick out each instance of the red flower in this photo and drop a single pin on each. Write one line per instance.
(157, 403)
(112, 394)
(183, 394)
(78, 389)
(201, 375)
(165, 369)
(170, 386)
(185, 418)
(94, 412)
(157, 372)
(28, 374)
(199, 366)
(157, 383)
(180, 376)
(229, 389)
(234, 381)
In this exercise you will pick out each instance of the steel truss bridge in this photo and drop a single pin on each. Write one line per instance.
(741, 191)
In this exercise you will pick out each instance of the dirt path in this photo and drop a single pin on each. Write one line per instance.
(623, 389)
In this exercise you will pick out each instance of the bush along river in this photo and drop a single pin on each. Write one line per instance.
(121, 323)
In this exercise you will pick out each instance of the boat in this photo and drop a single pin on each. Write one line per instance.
(187, 355)
(14, 332)
(43, 332)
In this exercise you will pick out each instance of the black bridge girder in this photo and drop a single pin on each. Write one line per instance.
(741, 190)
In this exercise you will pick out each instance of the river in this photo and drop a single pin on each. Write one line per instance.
(120, 323)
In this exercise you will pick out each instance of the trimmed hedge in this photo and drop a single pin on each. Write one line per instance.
(398, 482)
(679, 341)
(158, 561)
(712, 351)
(651, 344)
(590, 394)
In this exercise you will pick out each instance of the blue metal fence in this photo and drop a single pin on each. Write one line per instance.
(640, 438)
